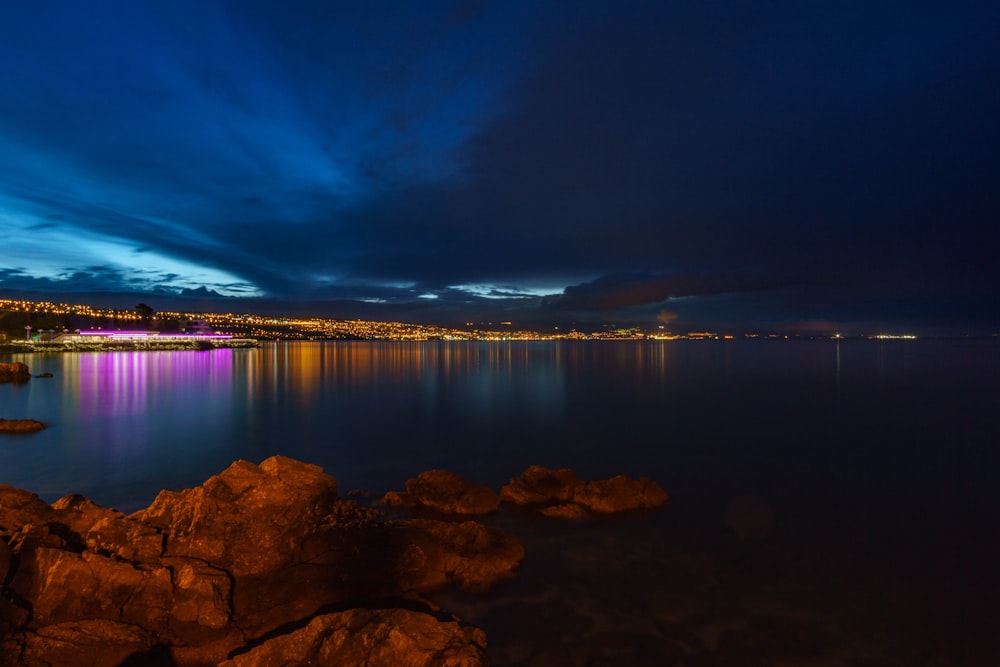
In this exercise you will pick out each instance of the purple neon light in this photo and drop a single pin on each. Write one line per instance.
(149, 334)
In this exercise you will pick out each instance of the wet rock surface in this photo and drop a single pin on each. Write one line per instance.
(21, 426)
(561, 493)
(445, 492)
(259, 561)
(18, 373)
(14, 372)
(374, 638)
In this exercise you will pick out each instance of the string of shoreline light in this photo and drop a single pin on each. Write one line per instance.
(285, 328)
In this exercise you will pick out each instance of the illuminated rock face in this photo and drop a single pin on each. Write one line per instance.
(445, 492)
(21, 426)
(248, 519)
(561, 493)
(202, 572)
(374, 638)
(244, 569)
(14, 372)
(539, 485)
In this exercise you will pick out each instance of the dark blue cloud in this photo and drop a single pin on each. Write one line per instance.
(722, 160)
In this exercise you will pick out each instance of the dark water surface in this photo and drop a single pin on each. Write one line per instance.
(831, 503)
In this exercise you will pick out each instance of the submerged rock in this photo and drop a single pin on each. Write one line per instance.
(431, 554)
(561, 493)
(445, 492)
(14, 372)
(620, 494)
(372, 638)
(21, 426)
(108, 642)
(248, 519)
(539, 485)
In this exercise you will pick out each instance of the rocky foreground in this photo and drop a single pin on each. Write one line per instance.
(266, 564)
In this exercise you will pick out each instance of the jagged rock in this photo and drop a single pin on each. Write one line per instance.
(5, 556)
(108, 531)
(19, 508)
(376, 560)
(469, 554)
(184, 601)
(372, 638)
(446, 492)
(565, 511)
(205, 571)
(249, 519)
(21, 426)
(399, 499)
(14, 372)
(539, 485)
(620, 494)
(101, 643)
(555, 491)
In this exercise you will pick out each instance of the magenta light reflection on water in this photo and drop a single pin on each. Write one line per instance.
(129, 383)
(124, 424)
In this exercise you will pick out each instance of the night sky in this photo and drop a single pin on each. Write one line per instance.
(776, 165)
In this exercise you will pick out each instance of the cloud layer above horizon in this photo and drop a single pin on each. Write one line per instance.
(722, 161)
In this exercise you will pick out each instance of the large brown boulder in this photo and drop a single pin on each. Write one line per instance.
(372, 638)
(93, 643)
(539, 485)
(561, 493)
(444, 491)
(375, 560)
(14, 372)
(249, 519)
(19, 508)
(430, 554)
(620, 494)
(84, 585)
(21, 426)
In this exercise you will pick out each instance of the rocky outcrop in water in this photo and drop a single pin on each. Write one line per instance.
(266, 564)
(373, 638)
(445, 492)
(21, 426)
(561, 493)
(14, 372)
(204, 574)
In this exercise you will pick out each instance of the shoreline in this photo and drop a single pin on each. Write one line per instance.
(25, 347)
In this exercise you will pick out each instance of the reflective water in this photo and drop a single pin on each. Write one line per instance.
(830, 503)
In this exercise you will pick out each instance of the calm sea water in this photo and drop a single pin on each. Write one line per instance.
(831, 503)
